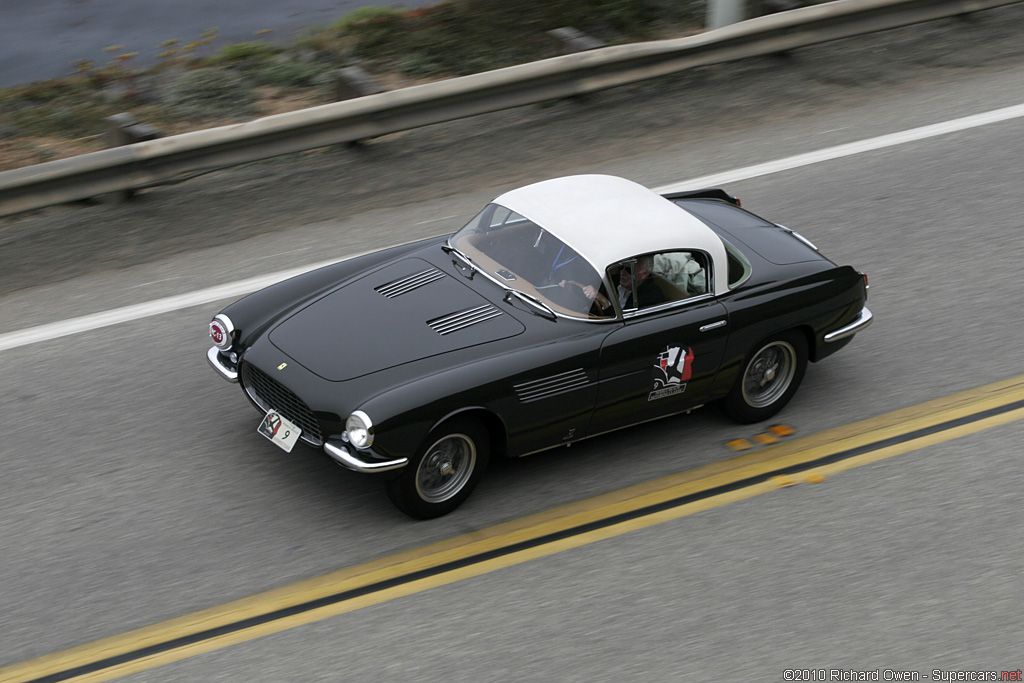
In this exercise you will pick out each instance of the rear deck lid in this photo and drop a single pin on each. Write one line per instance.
(774, 243)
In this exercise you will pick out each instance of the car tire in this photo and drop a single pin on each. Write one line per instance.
(772, 373)
(442, 474)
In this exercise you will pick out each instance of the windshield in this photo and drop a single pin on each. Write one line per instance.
(524, 256)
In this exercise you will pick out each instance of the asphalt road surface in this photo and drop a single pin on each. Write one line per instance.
(41, 39)
(135, 488)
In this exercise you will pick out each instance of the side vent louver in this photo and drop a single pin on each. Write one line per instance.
(409, 282)
(536, 389)
(460, 320)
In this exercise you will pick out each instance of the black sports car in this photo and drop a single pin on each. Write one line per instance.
(565, 309)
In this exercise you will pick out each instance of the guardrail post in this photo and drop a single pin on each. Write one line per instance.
(125, 129)
(353, 81)
(724, 12)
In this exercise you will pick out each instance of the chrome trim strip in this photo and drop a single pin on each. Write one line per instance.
(463, 319)
(803, 239)
(797, 235)
(863, 319)
(341, 455)
(408, 283)
(550, 386)
(213, 356)
(679, 303)
(538, 383)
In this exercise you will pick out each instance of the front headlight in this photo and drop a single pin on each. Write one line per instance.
(359, 429)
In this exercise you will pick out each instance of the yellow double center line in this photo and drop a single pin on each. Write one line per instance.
(531, 537)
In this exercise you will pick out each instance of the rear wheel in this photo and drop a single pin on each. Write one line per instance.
(443, 473)
(770, 378)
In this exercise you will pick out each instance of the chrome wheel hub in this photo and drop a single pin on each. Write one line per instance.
(769, 374)
(446, 468)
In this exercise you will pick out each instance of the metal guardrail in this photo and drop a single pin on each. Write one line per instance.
(175, 158)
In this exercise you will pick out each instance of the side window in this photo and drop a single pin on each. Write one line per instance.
(739, 266)
(681, 274)
(659, 278)
(634, 284)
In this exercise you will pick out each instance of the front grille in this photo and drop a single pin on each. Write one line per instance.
(269, 394)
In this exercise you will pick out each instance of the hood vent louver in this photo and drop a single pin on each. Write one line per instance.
(534, 390)
(460, 320)
(397, 288)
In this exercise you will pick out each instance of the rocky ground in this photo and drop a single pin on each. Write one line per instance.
(496, 149)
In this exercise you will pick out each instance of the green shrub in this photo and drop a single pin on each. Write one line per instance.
(255, 51)
(468, 36)
(212, 92)
(286, 74)
(374, 28)
(453, 37)
(70, 117)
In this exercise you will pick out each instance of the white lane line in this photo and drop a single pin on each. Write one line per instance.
(849, 149)
(232, 290)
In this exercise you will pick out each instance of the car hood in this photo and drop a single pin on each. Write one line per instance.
(403, 312)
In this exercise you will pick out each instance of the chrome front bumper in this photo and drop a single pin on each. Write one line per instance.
(350, 458)
(863, 319)
(222, 364)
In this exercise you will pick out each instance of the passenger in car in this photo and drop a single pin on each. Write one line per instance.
(682, 270)
(647, 291)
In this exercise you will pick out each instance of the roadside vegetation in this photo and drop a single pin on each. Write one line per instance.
(200, 83)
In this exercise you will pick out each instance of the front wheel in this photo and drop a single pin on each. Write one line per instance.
(441, 475)
(771, 375)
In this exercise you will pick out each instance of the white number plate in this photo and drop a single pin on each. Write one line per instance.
(279, 430)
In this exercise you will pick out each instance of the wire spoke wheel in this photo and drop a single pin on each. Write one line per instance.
(445, 468)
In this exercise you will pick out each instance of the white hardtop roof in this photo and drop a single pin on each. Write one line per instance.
(607, 219)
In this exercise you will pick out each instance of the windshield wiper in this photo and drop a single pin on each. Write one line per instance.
(468, 262)
(544, 310)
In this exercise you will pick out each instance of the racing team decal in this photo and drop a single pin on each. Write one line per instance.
(671, 370)
(271, 423)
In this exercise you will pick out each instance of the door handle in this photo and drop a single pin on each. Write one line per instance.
(711, 326)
